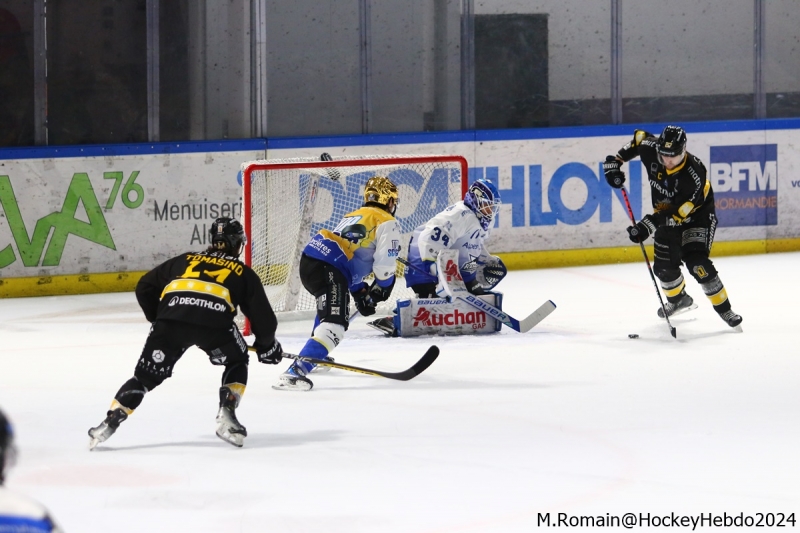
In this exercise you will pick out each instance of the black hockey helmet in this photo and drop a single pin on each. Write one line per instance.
(672, 141)
(227, 235)
(8, 453)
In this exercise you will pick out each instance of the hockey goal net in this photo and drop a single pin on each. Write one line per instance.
(287, 201)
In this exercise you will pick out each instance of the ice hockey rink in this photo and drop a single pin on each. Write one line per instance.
(572, 417)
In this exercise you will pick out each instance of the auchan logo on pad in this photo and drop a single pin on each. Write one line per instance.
(451, 271)
(456, 318)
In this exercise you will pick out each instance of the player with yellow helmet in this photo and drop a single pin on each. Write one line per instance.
(333, 268)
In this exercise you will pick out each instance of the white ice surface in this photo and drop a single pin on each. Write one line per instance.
(572, 417)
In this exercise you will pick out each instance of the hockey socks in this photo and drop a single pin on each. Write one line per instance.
(718, 296)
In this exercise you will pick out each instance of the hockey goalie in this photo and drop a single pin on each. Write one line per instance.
(460, 229)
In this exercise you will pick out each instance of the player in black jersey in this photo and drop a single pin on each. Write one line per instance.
(683, 220)
(191, 300)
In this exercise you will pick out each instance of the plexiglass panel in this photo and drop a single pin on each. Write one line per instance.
(685, 60)
(16, 73)
(576, 63)
(205, 72)
(97, 72)
(782, 58)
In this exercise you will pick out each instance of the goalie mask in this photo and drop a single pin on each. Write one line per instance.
(8, 453)
(227, 235)
(484, 200)
(380, 190)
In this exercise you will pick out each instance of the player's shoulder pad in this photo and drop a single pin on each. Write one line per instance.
(643, 138)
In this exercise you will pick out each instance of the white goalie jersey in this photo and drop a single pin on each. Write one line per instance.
(455, 228)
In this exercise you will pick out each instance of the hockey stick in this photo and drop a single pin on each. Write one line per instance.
(416, 369)
(521, 326)
(672, 330)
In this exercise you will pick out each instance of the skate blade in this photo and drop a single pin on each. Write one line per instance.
(319, 369)
(738, 329)
(382, 330)
(681, 311)
(97, 435)
(292, 384)
(235, 439)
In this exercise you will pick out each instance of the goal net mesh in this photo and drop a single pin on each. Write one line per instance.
(287, 201)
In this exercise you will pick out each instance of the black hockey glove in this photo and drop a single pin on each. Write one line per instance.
(643, 229)
(475, 287)
(614, 176)
(271, 355)
(364, 302)
(380, 294)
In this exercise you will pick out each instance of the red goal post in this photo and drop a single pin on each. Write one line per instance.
(287, 201)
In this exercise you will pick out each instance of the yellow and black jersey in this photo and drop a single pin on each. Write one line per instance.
(206, 288)
(679, 194)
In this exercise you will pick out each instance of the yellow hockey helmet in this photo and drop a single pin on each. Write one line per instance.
(379, 190)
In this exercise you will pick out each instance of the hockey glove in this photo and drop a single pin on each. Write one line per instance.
(475, 287)
(430, 268)
(492, 272)
(614, 176)
(380, 294)
(364, 302)
(642, 229)
(271, 355)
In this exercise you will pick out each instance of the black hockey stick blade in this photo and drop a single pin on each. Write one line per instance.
(673, 332)
(418, 368)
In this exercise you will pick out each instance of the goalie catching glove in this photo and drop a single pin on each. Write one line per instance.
(270, 355)
(491, 272)
(614, 176)
(642, 229)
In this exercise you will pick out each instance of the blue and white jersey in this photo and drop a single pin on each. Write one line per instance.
(455, 228)
(20, 514)
(366, 241)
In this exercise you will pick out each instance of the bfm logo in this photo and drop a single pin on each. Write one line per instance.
(456, 318)
(745, 183)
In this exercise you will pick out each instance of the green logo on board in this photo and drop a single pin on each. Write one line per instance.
(64, 223)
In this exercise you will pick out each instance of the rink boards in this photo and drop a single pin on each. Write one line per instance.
(94, 218)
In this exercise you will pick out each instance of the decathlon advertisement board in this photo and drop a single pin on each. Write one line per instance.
(89, 210)
(555, 196)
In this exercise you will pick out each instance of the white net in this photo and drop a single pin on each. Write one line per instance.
(287, 201)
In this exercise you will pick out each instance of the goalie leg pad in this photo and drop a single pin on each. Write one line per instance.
(438, 316)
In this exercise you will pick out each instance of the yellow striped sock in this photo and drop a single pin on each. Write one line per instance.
(718, 297)
(116, 405)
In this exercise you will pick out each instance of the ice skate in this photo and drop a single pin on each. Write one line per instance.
(732, 319)
(228, 427)
(107, 427)
(293, 379)
(385, 324)
(321, 369)
(686, 303)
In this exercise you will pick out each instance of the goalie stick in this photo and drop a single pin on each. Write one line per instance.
(672, 330)
(416, 369)
(459, 290)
